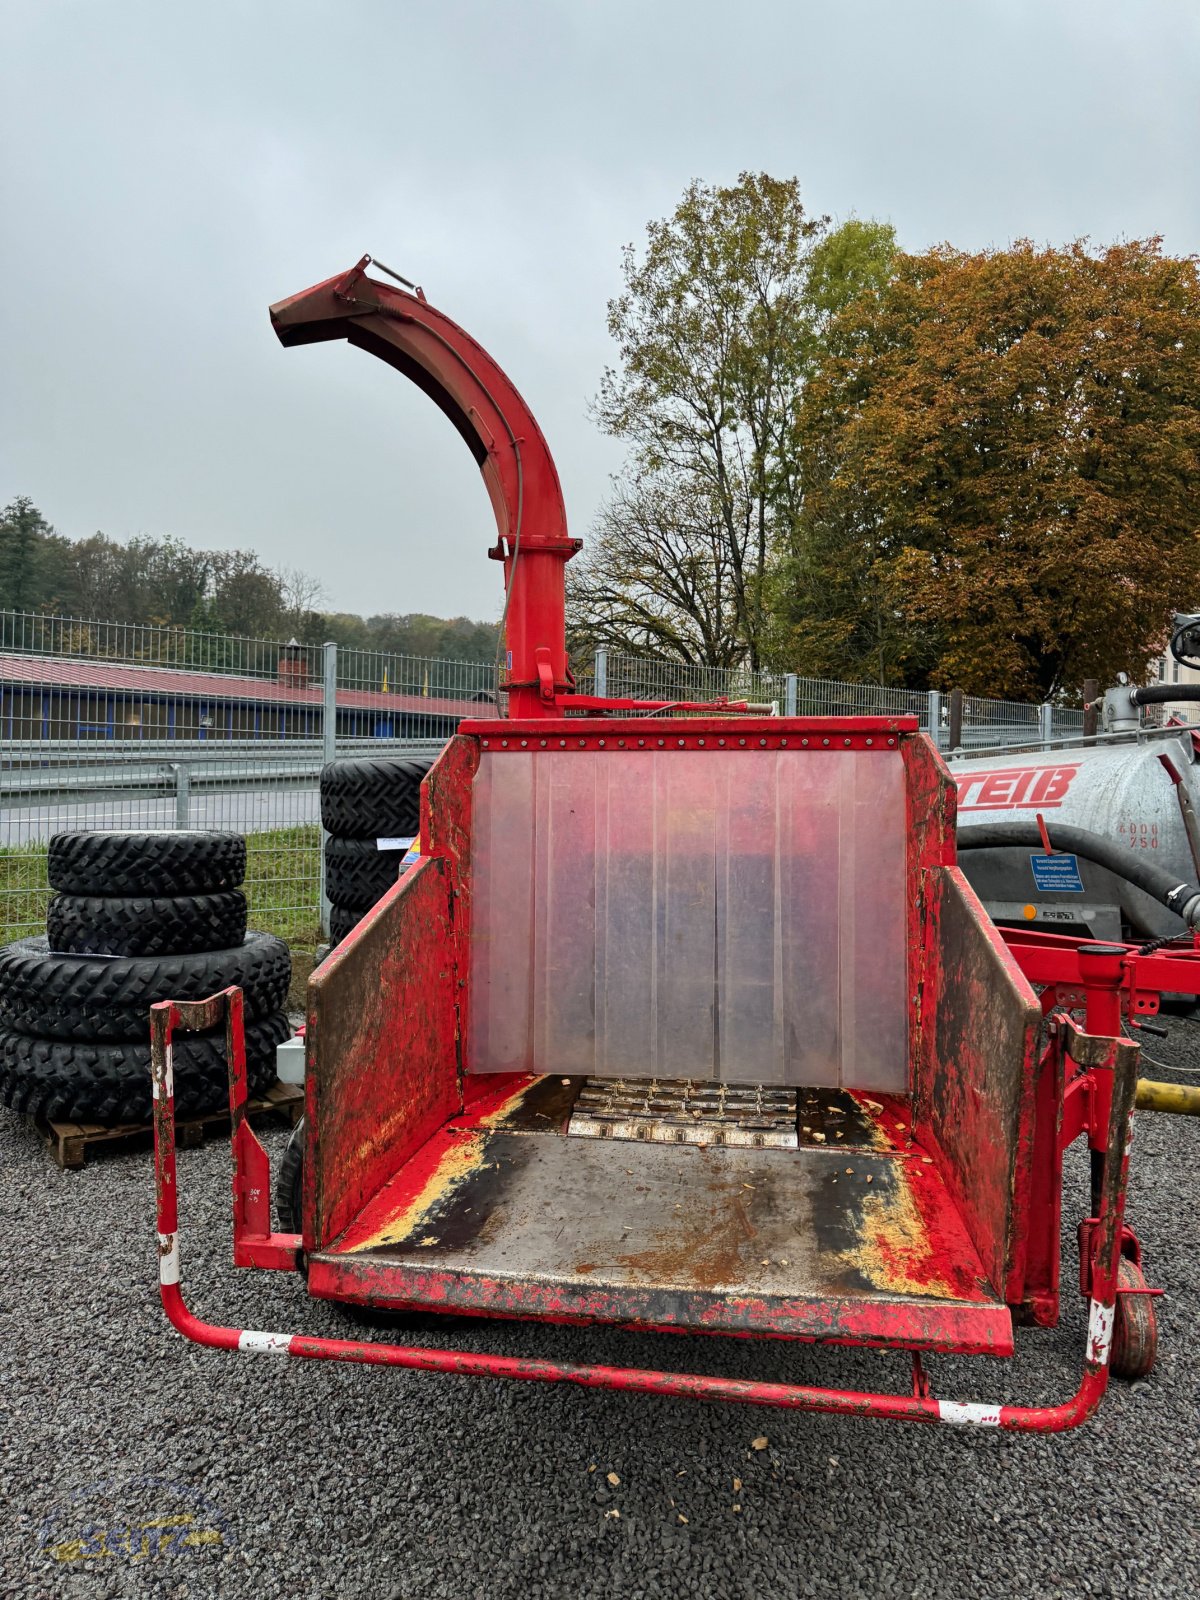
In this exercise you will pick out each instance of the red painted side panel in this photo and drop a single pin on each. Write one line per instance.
(975, 1086)
(446, 806)
(1039, 1302)
(929, 816)
(446, 822)
(382, 1073)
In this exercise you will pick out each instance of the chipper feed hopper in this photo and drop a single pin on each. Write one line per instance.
(684, 1019)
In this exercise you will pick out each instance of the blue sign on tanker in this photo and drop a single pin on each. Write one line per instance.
(1056, 874)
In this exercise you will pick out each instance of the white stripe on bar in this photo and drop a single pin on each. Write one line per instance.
(264, 1344)
(168, 1083)
(966, 1414)
(1100, 1331)
(168, 1258)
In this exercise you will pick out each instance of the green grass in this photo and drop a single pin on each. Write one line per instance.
(24, 891)
(282, 886)
(283, 883)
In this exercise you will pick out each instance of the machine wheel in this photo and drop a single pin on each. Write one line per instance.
(130, 863)
(88, 997)
(110, 1082)
(373, 798)
(356, 873)
(137, 925)
(1135, 1327)
(289, 1182)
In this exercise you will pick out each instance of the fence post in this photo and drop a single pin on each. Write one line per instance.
(790, 695)
(956, 718)
(328, 753)
(600, 676)
(1091, 690)
(1045, 723)
(183, 792)
(934, 715)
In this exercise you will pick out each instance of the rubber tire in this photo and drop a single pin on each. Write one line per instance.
(120, 862)
(1135, 1326)
(136, 925)
(357, 874)
(110, 1082)
(374, 797)
(341, 921)
(93, 997)
(289, 1181)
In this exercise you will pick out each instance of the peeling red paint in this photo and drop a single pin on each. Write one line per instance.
(399, 1127)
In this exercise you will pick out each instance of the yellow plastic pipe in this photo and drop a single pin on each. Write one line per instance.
(1181, 1098)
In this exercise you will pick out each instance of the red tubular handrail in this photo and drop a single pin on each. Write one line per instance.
(165, 1016)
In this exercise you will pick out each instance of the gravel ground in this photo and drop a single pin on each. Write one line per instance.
(320, 1481)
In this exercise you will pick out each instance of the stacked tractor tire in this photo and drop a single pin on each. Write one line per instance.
(135, 918)
(365, 803)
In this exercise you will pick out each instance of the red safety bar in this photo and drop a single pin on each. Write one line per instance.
(1134, 976)
(257, 1246)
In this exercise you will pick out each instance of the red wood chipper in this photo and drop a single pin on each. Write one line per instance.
(685, 1019)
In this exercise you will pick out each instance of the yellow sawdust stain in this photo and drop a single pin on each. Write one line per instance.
(462, 1156)
(894, 1247)
(874, 1136)
(506, 1107)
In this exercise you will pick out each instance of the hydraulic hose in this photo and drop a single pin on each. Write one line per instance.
(1158, 694)
(1181, 898)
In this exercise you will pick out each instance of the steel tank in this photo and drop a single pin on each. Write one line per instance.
(1119, 789)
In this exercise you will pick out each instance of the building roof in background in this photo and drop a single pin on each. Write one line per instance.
(108, 677)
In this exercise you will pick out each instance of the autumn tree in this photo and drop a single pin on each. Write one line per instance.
(999, 454)
(715, 331)
(657, 578)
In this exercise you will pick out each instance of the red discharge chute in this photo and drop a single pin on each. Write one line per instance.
(404, 330)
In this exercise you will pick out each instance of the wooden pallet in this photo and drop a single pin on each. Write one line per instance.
(71, 1142)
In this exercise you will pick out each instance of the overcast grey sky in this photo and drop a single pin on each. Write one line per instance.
(168, 169)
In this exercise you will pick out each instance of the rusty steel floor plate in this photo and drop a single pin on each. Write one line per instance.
(859, 1246)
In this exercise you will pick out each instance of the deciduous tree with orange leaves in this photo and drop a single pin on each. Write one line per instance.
(1000, 459)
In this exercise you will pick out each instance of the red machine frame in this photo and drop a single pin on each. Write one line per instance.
(1103, 1068)
(1086, 1076)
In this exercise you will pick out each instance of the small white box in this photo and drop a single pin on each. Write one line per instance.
(289, 1060)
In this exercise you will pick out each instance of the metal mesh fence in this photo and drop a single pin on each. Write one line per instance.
(624, 677)
(988, 722)
(109, 725)
(113, 726)
(145, 645)
(1066, 723)
(818, 697)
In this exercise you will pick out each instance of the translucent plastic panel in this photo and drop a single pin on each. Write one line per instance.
(701, 914)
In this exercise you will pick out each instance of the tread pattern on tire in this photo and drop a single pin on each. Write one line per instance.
(356, 873)
(109, 1082)
(373, 797)
(94, 997)
(341, 920)
(125, 862)
(289, 1181)
(143, 925)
